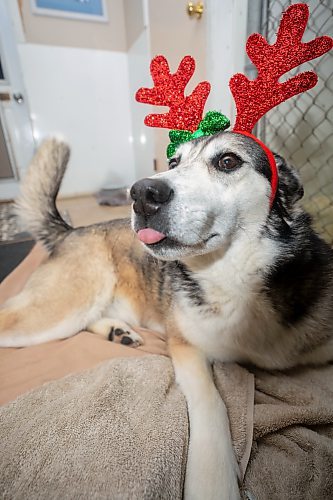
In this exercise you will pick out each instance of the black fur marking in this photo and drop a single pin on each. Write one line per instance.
(126, 341)
(111, 334)
(163, 280)
(303, 273)
(182, 280)
(277, 227)
(54, 230)
(119, 331)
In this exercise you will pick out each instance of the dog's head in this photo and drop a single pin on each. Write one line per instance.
(216, 189)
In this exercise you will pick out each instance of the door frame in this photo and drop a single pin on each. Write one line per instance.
(226, 34)
(15, 117)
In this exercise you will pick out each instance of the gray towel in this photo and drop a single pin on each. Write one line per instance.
(292, 452)
(117, 431)
(120, 431)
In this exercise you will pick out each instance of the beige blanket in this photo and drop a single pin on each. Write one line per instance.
(292, 452)
(120, 429)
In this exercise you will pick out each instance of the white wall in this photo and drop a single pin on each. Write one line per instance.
(139, 56)
(226, 40)
(142, 136)
(83, 94)
(66, 32)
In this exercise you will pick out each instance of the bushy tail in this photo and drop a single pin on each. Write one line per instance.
(36, 206)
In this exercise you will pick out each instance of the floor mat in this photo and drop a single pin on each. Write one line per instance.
(12, 253)
(15, 244)
(9, 226)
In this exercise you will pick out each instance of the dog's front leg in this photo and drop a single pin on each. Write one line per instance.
(211, 471)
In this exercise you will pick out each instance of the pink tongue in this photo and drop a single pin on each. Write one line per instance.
(150, 236)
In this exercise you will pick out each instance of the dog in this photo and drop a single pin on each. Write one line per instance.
(206, 260)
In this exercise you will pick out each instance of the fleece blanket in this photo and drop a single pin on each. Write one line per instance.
(292, 451)
(120, 431)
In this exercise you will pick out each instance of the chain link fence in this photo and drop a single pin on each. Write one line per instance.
(301, 129)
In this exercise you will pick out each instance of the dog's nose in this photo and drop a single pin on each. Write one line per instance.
(149, 195)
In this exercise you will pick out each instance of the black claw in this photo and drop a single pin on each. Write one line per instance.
(126, 340)
(111, 334)
(118, 332)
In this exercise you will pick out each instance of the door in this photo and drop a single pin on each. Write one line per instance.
(16, 137)
(216, 40)
(175, 34)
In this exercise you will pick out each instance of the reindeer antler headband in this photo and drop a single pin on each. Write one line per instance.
(253, 98)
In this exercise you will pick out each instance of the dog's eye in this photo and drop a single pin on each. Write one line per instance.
(173, 162)
(229, 161)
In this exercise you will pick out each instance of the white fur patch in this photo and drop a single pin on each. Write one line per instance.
(232, 286)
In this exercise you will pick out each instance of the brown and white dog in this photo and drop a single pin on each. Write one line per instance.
(223, 274)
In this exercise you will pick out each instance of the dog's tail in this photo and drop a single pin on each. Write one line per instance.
(36, 206)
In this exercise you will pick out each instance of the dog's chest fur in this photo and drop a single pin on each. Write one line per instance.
(233, 303)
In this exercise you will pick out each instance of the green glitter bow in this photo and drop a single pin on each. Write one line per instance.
(212, 123)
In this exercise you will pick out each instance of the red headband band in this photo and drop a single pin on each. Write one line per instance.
(271, 161)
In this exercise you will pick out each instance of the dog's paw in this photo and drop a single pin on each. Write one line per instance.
(125, 335)
(117, 331)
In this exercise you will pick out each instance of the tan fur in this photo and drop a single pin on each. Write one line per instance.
(95, 261)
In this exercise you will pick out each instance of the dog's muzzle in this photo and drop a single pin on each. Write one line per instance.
(149, 196)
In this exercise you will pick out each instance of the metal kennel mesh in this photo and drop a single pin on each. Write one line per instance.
(301, 129)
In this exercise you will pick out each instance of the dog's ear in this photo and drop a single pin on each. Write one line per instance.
(290, 188)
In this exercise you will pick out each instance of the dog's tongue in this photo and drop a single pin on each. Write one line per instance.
(150, 236)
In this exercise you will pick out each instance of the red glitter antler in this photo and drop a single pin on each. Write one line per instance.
(254, 98)
(185, 111)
